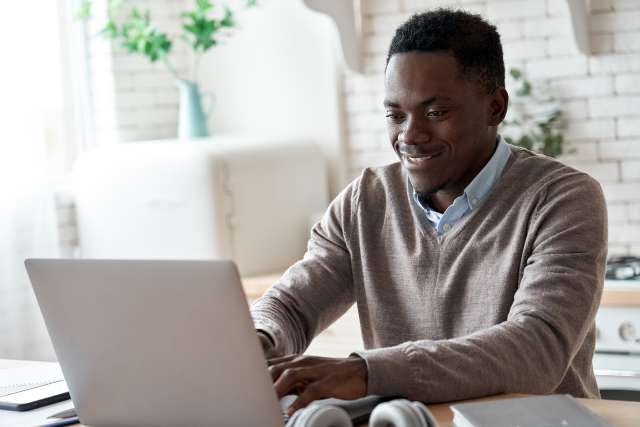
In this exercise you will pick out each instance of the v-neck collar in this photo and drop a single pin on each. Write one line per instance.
(427, 229)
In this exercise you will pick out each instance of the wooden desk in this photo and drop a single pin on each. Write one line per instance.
(255, 286)
(621, 297)
(618, 413)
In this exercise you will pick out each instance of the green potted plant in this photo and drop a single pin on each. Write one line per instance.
(137, 34)
(535, 120)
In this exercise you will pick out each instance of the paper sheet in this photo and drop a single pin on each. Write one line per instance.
(13, 380)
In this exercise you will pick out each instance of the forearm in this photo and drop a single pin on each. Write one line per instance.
(311, 294)
(283, 324)
(523, 355)
(307, 299)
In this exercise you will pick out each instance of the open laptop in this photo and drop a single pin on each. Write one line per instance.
(155, 343)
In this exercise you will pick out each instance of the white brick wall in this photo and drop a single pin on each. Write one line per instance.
(133, 98)
(600, 93)
(620, 149)
(628, 83)
(614, 22)
(502, 10)
(583, 87)
(629, 126)
(587, 129)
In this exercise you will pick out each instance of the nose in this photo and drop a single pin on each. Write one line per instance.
(414, 132)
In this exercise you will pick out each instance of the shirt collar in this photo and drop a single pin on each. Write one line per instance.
(484, 181)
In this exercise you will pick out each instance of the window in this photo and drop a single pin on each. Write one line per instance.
(38, 139)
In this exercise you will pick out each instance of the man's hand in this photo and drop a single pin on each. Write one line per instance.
(315, 378)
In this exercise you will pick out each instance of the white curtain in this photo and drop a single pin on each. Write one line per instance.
(31, 151)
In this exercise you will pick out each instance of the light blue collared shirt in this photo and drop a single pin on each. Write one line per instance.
(473, 194)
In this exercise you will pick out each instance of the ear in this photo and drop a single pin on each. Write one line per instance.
(498, 103)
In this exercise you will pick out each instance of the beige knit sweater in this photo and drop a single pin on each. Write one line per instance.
(504, 302)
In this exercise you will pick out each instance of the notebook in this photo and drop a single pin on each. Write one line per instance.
(558, 410)
(30, 387)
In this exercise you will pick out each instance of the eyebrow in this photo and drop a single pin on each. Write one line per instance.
(390, 104)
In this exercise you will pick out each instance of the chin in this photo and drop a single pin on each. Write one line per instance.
(426, 189)
(427, 184)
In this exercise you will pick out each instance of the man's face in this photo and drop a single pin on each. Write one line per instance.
(441, 126)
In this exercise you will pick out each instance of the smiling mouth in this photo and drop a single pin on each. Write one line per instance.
(421, 158)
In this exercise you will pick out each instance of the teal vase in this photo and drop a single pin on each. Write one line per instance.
(192, 122)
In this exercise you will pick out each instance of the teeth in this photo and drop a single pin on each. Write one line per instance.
(417, 159)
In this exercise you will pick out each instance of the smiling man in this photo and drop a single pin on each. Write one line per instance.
(477, 267)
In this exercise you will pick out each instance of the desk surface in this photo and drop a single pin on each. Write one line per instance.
(618, 413)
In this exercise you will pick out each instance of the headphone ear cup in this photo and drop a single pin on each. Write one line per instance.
(320, 416)
(397, 413)
(426, 415)
(401, 413)
(293, 419)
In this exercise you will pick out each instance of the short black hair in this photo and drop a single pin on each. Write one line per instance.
(474, 43)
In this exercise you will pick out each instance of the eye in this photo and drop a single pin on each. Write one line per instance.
(394, 117)
(436, 113)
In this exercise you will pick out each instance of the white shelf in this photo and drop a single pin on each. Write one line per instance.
(580, 25)
(347, 16)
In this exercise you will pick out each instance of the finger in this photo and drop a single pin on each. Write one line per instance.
(312, 359)
(276, 360)
(295, 378)
(314, 391)
(276, 369)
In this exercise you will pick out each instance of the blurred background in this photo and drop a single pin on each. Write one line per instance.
(199, 129)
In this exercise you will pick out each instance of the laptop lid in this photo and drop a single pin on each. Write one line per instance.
(155, 343)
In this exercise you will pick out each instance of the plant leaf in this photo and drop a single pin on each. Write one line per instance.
(84, 10)
(227, 21)
(525, 89)
(110, 30)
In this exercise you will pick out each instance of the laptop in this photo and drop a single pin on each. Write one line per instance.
(155, 343)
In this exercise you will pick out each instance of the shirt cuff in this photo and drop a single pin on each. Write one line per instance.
(276, 336)
(389, 370)
(268, 336)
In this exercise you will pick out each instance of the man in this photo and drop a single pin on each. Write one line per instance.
(477, 267)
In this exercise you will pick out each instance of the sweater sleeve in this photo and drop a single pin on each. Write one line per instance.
(316, 290)
(552, 312)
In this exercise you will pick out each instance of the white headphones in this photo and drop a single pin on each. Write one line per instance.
(401, 413)
(395, 413)
(316, 415)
